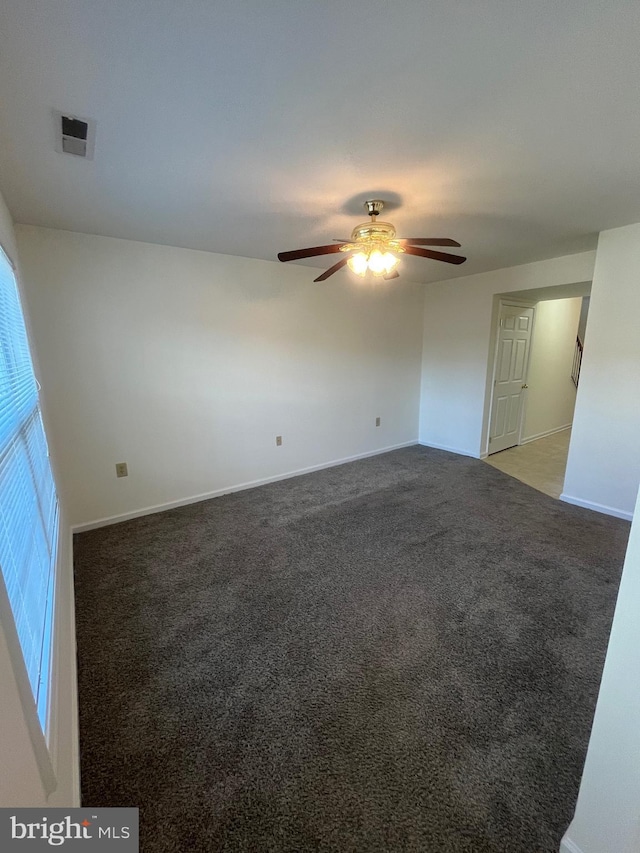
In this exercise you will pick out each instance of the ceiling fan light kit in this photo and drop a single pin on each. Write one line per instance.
(374, 248)
(373, 244)
(376, 261)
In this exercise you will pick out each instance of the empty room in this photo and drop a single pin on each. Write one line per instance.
(315, 535)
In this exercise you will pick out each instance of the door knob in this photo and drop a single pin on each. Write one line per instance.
(525, 385)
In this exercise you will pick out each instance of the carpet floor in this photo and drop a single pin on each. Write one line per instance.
(398, 654)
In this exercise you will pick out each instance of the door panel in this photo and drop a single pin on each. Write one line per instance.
(500, 406)
(505, 361)
(514, 413)
(520, 360)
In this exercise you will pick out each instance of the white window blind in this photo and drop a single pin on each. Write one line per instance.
(28, 503)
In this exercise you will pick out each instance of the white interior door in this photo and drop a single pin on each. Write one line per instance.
(509, 386)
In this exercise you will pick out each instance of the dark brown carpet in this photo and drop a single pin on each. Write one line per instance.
(400, 654)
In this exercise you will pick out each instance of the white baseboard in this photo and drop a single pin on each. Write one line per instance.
(227, 490)
(569, 846)
(607, 510)
(545, 434)
(449, 449)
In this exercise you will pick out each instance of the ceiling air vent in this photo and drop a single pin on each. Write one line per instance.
(75, 135)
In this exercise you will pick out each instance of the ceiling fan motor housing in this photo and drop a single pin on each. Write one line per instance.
(369, 231)
(368, 236)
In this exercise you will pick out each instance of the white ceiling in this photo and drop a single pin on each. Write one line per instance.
(252, 127)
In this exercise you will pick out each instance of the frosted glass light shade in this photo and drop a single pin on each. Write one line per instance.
(358, 263)
(380, 263)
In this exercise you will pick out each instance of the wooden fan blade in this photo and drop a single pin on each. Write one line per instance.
(429, 241)
(331, 270)
(390, 275)
(297, 254)
(435, 256)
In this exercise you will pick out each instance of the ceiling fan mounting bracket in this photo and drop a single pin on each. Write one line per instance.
(374, 206)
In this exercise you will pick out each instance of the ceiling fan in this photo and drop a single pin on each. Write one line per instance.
(374, 248)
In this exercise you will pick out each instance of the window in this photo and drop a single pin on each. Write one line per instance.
(28, 502)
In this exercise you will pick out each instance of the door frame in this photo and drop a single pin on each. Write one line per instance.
(493, 365)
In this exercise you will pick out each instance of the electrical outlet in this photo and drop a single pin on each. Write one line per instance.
(377, 421)
(121, 469)
(278, 441)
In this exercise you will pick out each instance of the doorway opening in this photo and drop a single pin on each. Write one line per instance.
(538, 340)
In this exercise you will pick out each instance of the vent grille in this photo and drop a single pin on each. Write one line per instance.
(74, 146)
(74, 135)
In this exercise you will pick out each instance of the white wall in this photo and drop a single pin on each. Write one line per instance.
(584, 316)
(21, 779)
(186, 365)
(458, 323)
(551, 396)
(607, 817)
(603, 469)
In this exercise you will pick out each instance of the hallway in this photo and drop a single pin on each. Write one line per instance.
(540, 463)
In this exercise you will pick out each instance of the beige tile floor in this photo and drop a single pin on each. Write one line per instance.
(540, 463)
